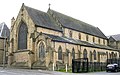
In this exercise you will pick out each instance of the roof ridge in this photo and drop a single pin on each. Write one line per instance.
(78, 25)
(115, 35)
(41, 18)
(34, 9)
(73, 18)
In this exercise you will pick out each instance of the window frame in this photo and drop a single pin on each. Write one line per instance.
(60, 53)
(22, 40)
(70, 34)
(95, 55)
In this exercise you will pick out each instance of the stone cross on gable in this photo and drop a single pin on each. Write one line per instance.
(49, 5)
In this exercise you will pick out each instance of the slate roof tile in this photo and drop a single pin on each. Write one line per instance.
(45, 20)
(116, 37)
(78, 42)
(4, 27)
(78, 25)
(42, 19)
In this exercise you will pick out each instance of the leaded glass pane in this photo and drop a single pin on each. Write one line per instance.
(90, 56)
(70, 34)
(73, 53)
(94, 55)
(41, 51)
(107, 54)
(67, 52)
(22, 36)
(85, 53)
(60, 53)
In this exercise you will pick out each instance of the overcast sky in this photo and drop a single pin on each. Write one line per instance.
(104, 14)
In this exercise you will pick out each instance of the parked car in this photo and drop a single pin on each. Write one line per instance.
(112, 68)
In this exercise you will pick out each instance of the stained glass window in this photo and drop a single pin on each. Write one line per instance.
(87, 38)
(67, 52)
(107, 54)
(70, 34)
(99, 40)
(90, 56)
(41, 51)
(79, 36)
(22, 36)
(60, 53)
(73, 53)
(85, 53)
(94, 55)
(93, 39)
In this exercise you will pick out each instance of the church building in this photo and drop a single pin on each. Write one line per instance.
(51, 39)
(4, 39)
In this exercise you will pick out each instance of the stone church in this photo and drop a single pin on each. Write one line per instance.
(114, 41)
(51, 39)
(4, 39)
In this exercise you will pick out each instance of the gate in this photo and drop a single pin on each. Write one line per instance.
(80, 65)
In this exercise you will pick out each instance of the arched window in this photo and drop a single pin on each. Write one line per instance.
(85, 53)
(110, 55)
(107, 54)
(79, 36)
(93, 39)
(90, 56)
(94, 53)
(67, 52)
(41, 51)
(79, 54)
(22, 36)
(60, 53)
(115, 55)
(70, 34)
(99, 40)
(86, 37)
(103, 41)
(73, 53)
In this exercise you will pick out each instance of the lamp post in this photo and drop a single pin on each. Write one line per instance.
(4, 52)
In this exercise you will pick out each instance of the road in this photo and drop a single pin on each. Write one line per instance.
(9, 71)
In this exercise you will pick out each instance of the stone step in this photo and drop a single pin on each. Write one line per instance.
(40, 67)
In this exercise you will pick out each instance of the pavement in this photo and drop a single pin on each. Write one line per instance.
(12, 71)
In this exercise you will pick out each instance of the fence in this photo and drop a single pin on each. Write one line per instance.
(96, 66)
(112, 61)
(82, 65)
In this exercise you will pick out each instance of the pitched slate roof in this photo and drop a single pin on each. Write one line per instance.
(78, 25)
(42, 19)
(3, 28)
(116, 37)
(77, 42)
